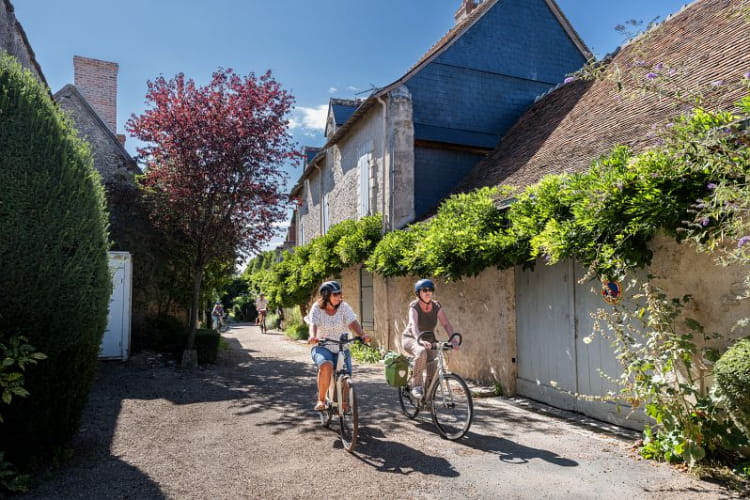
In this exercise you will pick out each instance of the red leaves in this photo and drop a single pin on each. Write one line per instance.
(214, 156)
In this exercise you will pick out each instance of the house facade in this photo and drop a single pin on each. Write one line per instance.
(524, 329)
(702, 48)
(405, 147)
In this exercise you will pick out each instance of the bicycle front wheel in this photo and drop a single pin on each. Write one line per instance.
(349, 415)
(452, 406)
(409, 404)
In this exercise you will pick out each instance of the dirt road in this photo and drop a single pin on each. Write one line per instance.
(245, 428)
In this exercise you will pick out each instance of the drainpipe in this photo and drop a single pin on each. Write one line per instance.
(322, 207)
(390, 208)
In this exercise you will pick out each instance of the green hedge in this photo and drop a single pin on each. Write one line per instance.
(54, 279)
(732, 372)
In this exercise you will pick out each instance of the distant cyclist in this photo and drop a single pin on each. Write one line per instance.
(217, 314)
(261, 305)
(330, 317)
(424, 314)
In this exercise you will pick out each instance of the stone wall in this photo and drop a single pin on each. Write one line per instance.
(13, 40)
(110, 158)
(482, 309)
(680, 270)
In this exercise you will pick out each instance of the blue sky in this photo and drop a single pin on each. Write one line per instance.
(317, 49)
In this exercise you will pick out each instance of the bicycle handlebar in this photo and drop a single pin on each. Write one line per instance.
(326, 340)
(445, 345)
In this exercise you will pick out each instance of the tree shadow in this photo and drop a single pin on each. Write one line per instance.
(270, 384)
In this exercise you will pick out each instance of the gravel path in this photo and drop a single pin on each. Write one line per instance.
(244, 428)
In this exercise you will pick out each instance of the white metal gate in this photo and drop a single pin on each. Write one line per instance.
(116, 340)
(555, 365)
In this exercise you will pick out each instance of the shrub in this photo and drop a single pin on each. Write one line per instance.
(206, 343)
(366, 354)
(156, 332)
(732, 372)
(54, 279)
(297, 331)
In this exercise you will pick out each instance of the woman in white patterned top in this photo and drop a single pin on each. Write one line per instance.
(330, 317)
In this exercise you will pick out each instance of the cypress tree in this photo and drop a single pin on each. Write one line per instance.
(54, 278)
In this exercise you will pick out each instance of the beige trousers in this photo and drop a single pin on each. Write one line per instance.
(421, 358)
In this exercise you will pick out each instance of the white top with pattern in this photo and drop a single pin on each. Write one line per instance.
(331, 326)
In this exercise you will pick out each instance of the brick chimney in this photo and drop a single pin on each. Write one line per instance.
(97, 82)
(466, 7)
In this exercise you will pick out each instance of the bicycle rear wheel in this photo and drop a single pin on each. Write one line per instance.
(349, 417)
(452, 407)
(409, 405)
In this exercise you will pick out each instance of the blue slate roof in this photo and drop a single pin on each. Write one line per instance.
(342, 112)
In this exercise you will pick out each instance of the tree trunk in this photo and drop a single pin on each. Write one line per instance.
(190, 357)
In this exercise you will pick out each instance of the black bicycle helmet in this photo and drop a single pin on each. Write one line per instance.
(421, 284)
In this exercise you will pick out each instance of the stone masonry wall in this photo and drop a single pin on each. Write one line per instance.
(486, 321)
(13, 40)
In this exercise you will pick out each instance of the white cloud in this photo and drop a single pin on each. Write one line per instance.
(332, 90)
(309, 118)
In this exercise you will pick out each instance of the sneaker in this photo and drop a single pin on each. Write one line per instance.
(417, 392)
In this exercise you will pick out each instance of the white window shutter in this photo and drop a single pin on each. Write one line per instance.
(364, 185)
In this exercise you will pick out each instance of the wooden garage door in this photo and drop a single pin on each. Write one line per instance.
(555, 365)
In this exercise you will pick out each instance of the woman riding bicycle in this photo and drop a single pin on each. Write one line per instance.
(424, 314)
(217, 314)
(261, 305)
(330, 317)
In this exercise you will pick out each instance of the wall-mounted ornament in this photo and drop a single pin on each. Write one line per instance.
(611, 292)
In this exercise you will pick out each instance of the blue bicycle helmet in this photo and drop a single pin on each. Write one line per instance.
(423, 283)
(329, 287)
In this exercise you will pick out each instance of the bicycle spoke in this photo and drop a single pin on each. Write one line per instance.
(452, 407)
(349, 417)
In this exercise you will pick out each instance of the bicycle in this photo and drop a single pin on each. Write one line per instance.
(447, 395)
(221, 324)
(262, 321)
(341, 388)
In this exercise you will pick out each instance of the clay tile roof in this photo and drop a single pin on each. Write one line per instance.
(705, 43)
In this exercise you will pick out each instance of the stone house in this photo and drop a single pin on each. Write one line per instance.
(92, 104)
(564, 131)
(405, 147)
(524, 329)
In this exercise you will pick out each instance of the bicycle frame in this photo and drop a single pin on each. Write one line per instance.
(440, 372)
(335, 390)
(447, 396)
(341, 390)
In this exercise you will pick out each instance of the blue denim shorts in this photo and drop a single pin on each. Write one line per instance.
(322, 355)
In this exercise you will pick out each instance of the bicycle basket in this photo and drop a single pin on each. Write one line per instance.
(396, 369)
